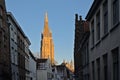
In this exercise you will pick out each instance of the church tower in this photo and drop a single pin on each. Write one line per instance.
(47, 45)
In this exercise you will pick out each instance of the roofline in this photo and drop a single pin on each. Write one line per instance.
(28, 40)
(15, 21)
(32, 55)
(93, 8)
(18, 26)
(41, 59)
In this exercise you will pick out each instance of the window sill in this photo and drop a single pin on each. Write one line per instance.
(104, 36)
(92, 47)
(114, 26)
(98, 42)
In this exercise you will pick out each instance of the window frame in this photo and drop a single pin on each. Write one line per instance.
(93, 33)
(105, 66)
(115, 63)
(98, 23)
(115, 9)
(105, 17)
(98, 69)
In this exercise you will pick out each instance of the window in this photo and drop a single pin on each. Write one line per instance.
(93, 70)
(41, 66)
(1, 11)
(105, 66)
(16, 58)
(98, 69)
(98, 26)
(87, 53)
(4, 38)
(1, 22)
(0, 39)
(115, 55)
(115, 11)
(0, 44)
(105, 16)
(92, 32)
(1, 14)
(84, 56)
(12, 56)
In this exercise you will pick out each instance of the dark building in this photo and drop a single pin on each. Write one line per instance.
(81, 48)
(4, 44)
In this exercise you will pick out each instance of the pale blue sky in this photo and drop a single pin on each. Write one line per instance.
(61, 15)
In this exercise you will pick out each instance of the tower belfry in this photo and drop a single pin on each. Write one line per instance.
(47, 45)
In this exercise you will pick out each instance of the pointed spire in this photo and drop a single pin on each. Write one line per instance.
(46, 17)
(46, 27)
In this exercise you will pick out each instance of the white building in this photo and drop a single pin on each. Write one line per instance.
(63, 72)
(55, 73)
(13, 46)
(44, 69)
(32, 67)
(104, 43)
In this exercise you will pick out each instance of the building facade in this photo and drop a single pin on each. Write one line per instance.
(5, 66)
(27, 58)
(13, 46)
(81, 44)
(19, 50)
(32, 66)
(16, 60)
(23, 55)
(104, 41)
(44, 69)
(63, 72)
(47, 45)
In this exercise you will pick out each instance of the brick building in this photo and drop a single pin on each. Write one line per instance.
(81, 48)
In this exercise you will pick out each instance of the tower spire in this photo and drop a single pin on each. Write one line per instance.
(46, 26)
(46, 17)
(47, 46)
